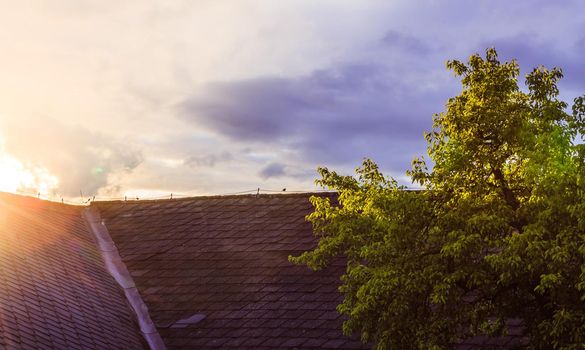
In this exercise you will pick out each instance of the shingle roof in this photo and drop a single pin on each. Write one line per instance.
(214, 272)
(54, 290)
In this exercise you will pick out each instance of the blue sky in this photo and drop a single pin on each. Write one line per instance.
(211, 97)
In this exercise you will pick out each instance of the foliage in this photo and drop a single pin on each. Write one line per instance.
(497, 234)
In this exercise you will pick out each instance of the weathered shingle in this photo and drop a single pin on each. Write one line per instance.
(54, 290)
(225, 259)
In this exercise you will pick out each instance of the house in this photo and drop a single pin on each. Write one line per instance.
(194, 273)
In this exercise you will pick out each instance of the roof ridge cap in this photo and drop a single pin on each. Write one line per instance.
(218, 196)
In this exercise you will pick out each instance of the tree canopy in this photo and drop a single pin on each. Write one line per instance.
(497, 233)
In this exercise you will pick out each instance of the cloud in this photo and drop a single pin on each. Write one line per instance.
(298, 84)
(207, 160)
(273, 170)
(335, 115)
(82, 160)
(406, 42)
(532, 51)
(278, 170)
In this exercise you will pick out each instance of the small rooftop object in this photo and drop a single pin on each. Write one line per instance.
(188, 321)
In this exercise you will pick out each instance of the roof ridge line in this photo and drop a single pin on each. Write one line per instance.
(217, 196)
(118, 270)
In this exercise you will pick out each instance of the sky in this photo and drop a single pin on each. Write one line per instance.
(146, 98)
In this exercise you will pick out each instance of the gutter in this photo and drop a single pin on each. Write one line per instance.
(117, 269)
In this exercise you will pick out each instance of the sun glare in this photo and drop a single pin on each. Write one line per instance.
(11, 174)
(14, 177)
(17, 177)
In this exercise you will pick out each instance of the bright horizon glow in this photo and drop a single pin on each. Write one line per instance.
(16, 178)
(12, 174)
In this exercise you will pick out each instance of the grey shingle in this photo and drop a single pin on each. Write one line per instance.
(227, 258)
(53, 285)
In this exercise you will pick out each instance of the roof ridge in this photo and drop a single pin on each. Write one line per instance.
(66, 204)
(26, 200)
(219, 196)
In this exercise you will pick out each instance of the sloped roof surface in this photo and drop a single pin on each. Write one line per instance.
(54, 290)
(214, 272)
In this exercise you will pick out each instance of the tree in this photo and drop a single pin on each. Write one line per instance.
(497, 233)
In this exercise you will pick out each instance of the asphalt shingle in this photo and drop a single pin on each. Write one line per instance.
(54, 290)
(227, 258)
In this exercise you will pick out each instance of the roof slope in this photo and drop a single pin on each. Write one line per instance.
(54, 290)
(214, 272)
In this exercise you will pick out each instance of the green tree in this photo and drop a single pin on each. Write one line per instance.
(497, 233)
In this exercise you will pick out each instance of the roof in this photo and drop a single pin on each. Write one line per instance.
(211, 272)
(54, 290)
(214, 271)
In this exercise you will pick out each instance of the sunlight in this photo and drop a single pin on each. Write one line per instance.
(11, 174)
(15, 178)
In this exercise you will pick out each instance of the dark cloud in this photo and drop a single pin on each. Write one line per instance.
(273, 170)
(82, 160)
(269, 107)
(337, 115)
(291, 171)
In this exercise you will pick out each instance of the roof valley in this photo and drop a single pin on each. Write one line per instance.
(118, 270)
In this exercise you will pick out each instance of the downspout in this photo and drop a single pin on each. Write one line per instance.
(118, 270)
